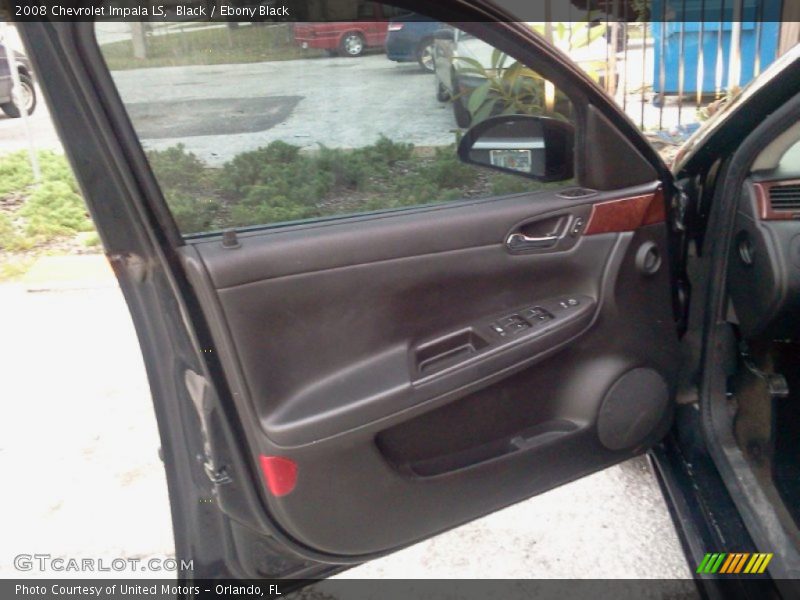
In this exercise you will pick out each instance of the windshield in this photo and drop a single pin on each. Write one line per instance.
(734, 102)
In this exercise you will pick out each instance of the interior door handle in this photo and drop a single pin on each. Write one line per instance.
(520, 241)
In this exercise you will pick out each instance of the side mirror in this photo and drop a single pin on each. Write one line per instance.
(448, 35)
(535, 147)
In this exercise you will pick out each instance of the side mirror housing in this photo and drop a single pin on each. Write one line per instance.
(540, 148)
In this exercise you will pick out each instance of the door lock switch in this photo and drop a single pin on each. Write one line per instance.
(569, 303)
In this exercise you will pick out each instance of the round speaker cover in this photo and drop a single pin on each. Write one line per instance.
(632, 408)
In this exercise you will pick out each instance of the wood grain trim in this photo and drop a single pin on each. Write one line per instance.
(627, 214)
(764, 206)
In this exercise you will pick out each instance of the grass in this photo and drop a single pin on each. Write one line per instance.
(37, 219)
(15, 267)
(280, 183)
(220, 45)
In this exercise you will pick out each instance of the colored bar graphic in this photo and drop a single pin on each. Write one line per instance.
(732, 558)
(718, 563)
(767, 558)
(703, 563)
(749, 568)
(734, 563)
(740, 564)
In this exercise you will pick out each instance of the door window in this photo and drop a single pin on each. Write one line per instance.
(248, 126)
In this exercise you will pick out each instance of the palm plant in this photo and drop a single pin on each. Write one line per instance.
(506, 89)
(509, 87)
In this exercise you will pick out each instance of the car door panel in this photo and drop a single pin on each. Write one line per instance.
(333, 328)
(359, 351)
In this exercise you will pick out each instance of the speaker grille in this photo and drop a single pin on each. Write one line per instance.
(633, 409)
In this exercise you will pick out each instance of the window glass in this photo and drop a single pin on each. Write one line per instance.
(790, 161)
(251, 124)
(366, 10)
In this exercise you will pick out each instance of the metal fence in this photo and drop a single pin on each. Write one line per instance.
(671, 63)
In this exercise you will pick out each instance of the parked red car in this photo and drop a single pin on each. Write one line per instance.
(349, 38)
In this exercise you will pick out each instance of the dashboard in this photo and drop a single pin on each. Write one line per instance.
(764, 266)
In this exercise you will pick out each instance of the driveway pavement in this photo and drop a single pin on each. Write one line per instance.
(337, 102)
(220, 111)
(78, 439)
(13, 135)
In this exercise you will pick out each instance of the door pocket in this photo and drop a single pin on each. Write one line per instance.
(528, 440)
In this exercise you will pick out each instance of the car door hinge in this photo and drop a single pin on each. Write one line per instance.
(217, 476)
(777, 386)
(680, 206)
(202, 397)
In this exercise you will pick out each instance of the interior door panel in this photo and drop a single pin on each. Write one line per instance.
(419, 381)
(330, 390)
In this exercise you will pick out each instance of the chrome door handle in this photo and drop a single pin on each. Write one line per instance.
(520, 241)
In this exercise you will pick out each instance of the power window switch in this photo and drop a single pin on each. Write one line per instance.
(519, 326)
(537, 314)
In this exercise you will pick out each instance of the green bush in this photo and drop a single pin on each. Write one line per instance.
(502, 185)
(387, 152)
(188, 186)
(192, 212)
(16, 173)
(279, 182)
(448, 172)
(53, 209)
(177, 169)
(251, 168)
(7, 232)
(91, 240)
(349, 170)
(269, 209)
(50, 209)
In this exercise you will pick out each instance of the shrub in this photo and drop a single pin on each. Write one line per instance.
(387, 152)
(55, 209)
(16, 173)
(91, 240)
(193, 213)
(448, 172)
(176, 169)
(345, 169)
(502, 185)
(269, 209)
(55, 167)
(7, 232)
(280, 183)
(251, 168)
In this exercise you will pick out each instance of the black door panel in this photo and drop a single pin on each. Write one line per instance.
(384, 381)
(335, 389)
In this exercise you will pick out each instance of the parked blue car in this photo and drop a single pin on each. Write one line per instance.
(410, 38)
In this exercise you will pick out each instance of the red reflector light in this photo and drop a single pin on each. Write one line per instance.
(280, 474)
(395, 26)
